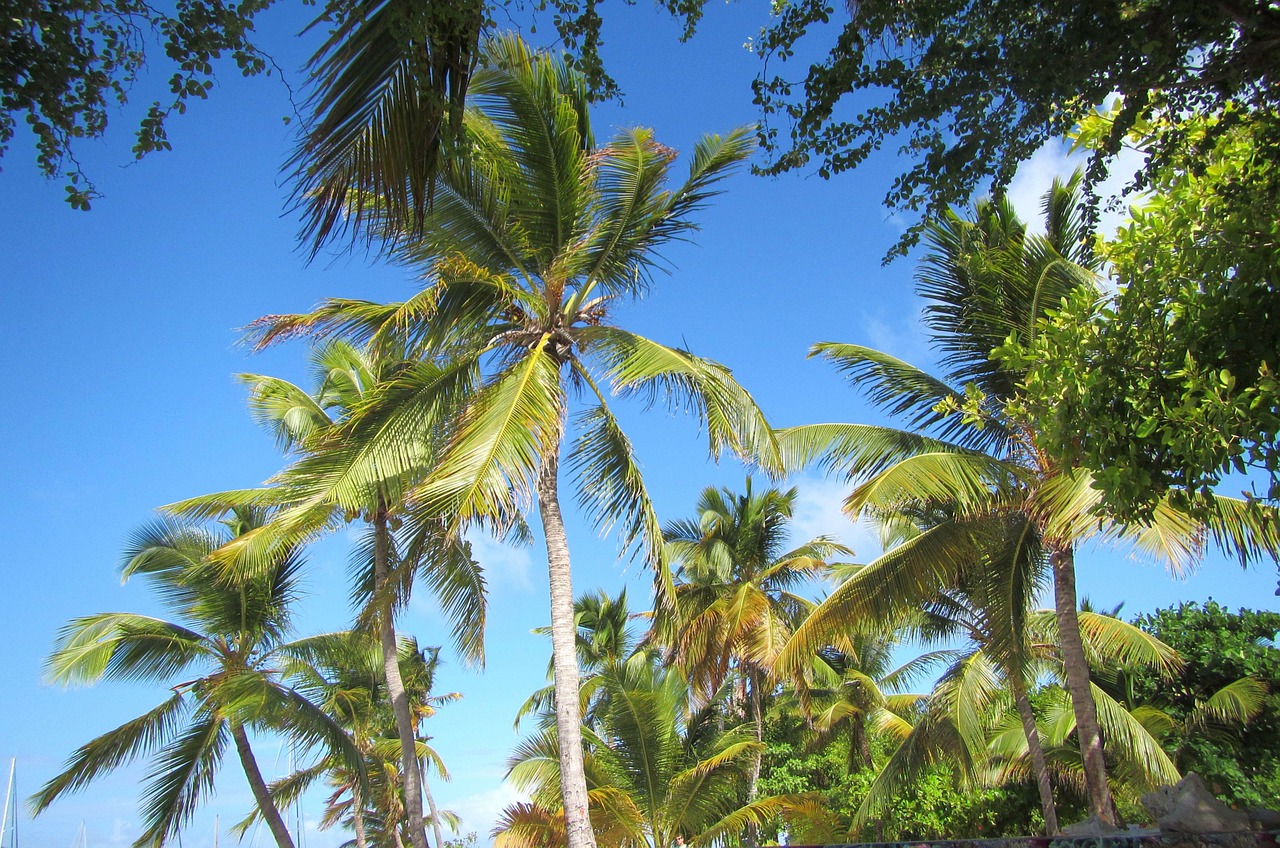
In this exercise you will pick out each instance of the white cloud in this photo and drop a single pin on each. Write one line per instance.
(480, 810)
(902, 336)
(1036, 175)
(817, 512)
(504, 565)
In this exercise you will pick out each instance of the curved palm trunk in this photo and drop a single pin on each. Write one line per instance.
(435, 814)
(410, 773)
(1063, 560)
(1034, 748)
(573, 780)
(261, 795)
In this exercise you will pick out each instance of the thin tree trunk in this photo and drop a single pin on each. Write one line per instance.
(1036, 750)
(435, 814)
(859, 746)
(1077, 672)
(357, 814)
(410, 774)
(261, 795)
(573, 780)
(755, 703)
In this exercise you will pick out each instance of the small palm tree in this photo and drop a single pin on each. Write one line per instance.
(735, 607)
(986, 279)
(535, 237)
(660, 774)
(345, 674)
(225, 651)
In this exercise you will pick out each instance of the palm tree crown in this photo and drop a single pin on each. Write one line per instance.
(985, 279)
(226, 649)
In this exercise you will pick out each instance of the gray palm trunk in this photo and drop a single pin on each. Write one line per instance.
(1036, 750)
(1076, 668)
(357, 815)
(410, 773)
(261, 794)
(564, 637)
(755, 700)
(435, 814)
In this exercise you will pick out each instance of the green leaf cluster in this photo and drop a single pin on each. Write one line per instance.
(1241, 765)
(1171, 382)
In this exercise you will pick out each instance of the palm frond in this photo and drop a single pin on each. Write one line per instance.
(489, 466)
(133, 739)
(637, 366)
(122, 646)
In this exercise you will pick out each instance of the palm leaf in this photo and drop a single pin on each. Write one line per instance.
(637, 366)
(112, 749)
(489, 465)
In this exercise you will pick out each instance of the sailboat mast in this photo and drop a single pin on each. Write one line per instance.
(9, 802)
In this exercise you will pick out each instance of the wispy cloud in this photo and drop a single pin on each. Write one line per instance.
(506, 566)
(818, 513)
(901, 335)
(1036, 175)
(480, 811)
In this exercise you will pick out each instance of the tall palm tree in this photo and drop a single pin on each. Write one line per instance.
(985, 279)
(344, 375)
(535, 236)
(735, 607)
(310, 425)
(225, 650)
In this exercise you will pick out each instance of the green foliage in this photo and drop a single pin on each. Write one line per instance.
(1220, 647)
(928, 806)
(64, 65)
(967, 90)
(1172, 382)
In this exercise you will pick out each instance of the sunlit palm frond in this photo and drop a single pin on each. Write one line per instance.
(636, 365)
(1237, 703)
(1128, 738)
(491, 462)
(122, 645)
(971, 483)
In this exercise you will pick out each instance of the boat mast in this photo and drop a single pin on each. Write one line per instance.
(10, 803)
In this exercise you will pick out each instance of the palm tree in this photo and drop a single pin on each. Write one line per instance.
(345, 673)
(659, 773)
(735, 607)
(605, 637)
(535, 236)
(987, 279)
(309, 424)
(225, 650)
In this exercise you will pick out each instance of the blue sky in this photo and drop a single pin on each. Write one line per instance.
(121, 331)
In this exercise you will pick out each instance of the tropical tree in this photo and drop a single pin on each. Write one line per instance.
(344, 375)
(605, 637)
(660, 773)
(225, 650)
(535, 236)
(309, 424)
(346, 675)
(985, 279)
(735, 607)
